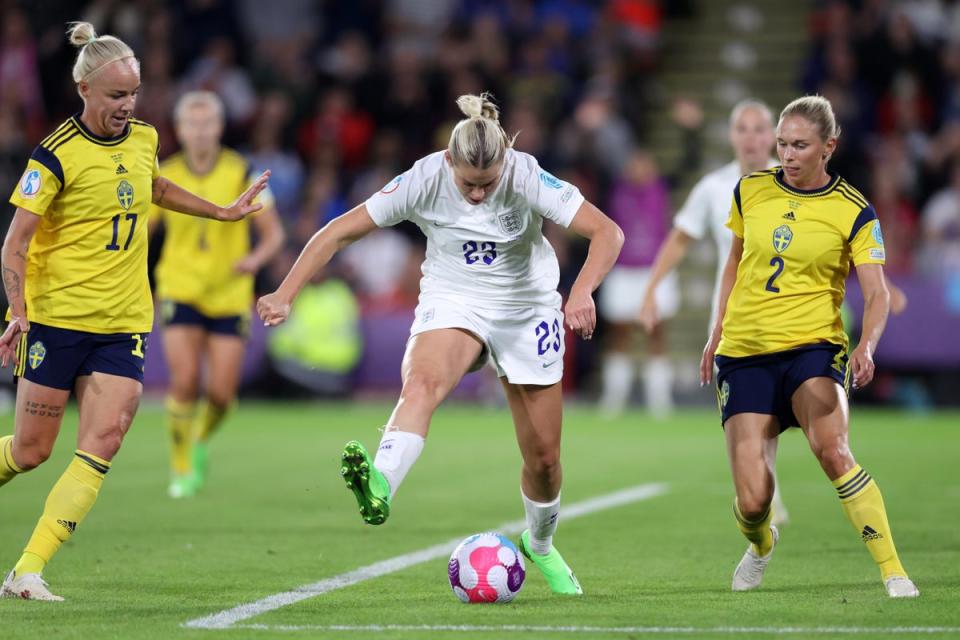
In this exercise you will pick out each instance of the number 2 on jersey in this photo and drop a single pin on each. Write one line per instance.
(113, 246)
(775, 261)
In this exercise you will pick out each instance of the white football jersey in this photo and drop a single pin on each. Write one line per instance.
(492, 253)
(707, 208)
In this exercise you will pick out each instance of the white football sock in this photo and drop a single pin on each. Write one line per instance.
(397, 452)
(780, 515)
(617, 382)
(658, 385)
(542, 521)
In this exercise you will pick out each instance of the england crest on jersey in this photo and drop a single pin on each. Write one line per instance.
(510, 223)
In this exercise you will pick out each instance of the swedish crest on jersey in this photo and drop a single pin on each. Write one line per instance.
(510, 223)
(782, 236)
(125, 195)
(36, 354)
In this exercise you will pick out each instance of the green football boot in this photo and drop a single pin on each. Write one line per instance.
(369, 487)
(200, 466)
(182, 486)
(559, 576)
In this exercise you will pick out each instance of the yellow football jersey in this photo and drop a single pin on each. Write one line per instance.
(87, 262)
(196, 264)
(797, 248)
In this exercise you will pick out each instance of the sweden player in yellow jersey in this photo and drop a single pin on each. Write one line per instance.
(205, 285)
(781, 351)
(75, 273)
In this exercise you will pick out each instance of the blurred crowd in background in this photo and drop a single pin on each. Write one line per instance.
(336, 98)
(892, 72)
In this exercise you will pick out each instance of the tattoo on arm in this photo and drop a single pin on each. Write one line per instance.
(11, 282)
(161, 190)
(43, 410)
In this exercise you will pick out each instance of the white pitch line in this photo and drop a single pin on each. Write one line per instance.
(228, 618)
(376, 628)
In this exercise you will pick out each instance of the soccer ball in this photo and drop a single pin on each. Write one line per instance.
(486, 567)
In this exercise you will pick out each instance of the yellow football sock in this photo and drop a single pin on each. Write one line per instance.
(8, 468)
(67, 505)
(179, 423)
(209, 419)
(756, 531)
(861, 501)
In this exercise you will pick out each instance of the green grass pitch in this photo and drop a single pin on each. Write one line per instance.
(275, 516)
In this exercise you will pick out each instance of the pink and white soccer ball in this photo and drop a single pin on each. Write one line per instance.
(486, 567)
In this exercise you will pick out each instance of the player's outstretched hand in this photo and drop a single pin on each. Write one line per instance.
(706, 362)
(10, 338)
(581, 314)
(272, 309)
(861, 365)
(245, 205)
(898, 299)
(247, 264)
(649, 316)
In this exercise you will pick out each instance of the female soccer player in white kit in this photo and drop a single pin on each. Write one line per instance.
(489, 290)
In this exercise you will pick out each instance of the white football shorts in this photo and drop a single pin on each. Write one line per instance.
(525, 345)
(622, 294)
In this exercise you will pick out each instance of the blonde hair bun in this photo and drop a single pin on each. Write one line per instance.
(81, 33)
(480, 106)
(96, 52)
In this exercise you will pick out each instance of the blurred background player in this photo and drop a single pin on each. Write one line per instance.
(640, 204)
(75, 273)
(489, 291)
(205, 285)
(706, 210)
(781, 351)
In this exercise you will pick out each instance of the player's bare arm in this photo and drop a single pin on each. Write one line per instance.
(334, 236)
(168, 195)
(271, 237)
(671, 252)
(876, 308)
(726, 286)
(606, 239)
(14, 260)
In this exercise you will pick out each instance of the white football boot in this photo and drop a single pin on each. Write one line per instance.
(901, 587)
(749, 573)
(29, 586)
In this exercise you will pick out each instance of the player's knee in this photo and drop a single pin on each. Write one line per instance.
(753, 505)
(220, 399)
(544, 462)
(30, 455)
(108, 444)
(183, 389)
(835, 459)
(111, 438)
(422, 388)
